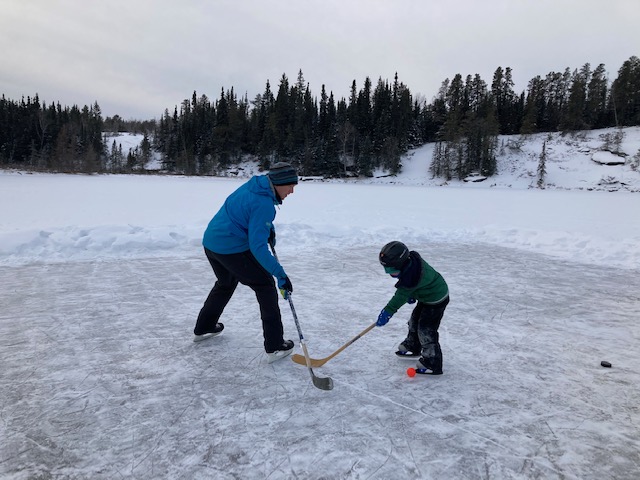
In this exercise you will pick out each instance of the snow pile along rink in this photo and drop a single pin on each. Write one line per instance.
(60, 217)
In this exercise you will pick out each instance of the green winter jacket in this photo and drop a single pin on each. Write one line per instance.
(431, 288)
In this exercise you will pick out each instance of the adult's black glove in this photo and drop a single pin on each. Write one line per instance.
(284, 284)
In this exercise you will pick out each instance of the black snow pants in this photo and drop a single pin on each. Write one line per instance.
(423, 330)
(243, 268)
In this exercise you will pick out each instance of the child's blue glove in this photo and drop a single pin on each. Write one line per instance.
(411, 300)
(383, 318)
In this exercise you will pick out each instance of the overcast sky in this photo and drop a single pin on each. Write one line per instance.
(138, 57)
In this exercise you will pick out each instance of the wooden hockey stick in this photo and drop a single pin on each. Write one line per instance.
(318, 362)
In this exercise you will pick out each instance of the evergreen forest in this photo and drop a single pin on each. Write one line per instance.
(319, 134)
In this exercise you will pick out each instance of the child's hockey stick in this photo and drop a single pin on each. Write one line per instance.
(318, 362)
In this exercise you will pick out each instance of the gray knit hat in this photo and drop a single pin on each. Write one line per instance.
(282, 173)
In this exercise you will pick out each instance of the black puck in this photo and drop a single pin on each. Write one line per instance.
(604, 363)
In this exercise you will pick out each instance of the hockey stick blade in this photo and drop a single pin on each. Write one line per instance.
(323, 383)
(318, 362)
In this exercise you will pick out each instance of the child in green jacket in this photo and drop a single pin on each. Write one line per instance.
(417, 282)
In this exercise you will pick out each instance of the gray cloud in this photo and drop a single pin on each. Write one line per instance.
(136, 58)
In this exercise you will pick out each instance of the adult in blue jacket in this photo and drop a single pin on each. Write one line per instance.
(236, 245)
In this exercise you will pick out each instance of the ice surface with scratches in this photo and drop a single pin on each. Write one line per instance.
(100, 377)
(102, 278)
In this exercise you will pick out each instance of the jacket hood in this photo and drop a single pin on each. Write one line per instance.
(410, 274)
(261, 185)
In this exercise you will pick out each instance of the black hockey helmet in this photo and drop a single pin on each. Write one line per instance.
(394, 255)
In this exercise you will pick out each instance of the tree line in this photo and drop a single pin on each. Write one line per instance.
(323, 136)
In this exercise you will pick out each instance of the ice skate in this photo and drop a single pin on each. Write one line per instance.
(423, 368)
(405, 350)
(217, 330)
(283, 350)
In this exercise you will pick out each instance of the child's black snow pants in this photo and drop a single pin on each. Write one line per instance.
(423, 330)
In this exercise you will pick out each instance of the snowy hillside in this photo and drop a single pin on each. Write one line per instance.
(575, 161)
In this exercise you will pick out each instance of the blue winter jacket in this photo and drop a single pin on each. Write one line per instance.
(244, 222)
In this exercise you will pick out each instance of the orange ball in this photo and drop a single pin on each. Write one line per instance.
(411, 372)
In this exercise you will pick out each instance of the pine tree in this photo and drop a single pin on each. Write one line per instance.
(573, 117)
(436, 167)
(506, 101)
(145, 151)
(625, 93)
(534, 107)
(556, 95)
(381, 121)
(265, 127)
(281, 118)
(596, 115)
(542, 166)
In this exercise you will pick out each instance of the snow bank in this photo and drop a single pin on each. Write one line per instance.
(59, 218)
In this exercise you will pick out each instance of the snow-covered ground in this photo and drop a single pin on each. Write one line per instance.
(574, 161)
(102, 278)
